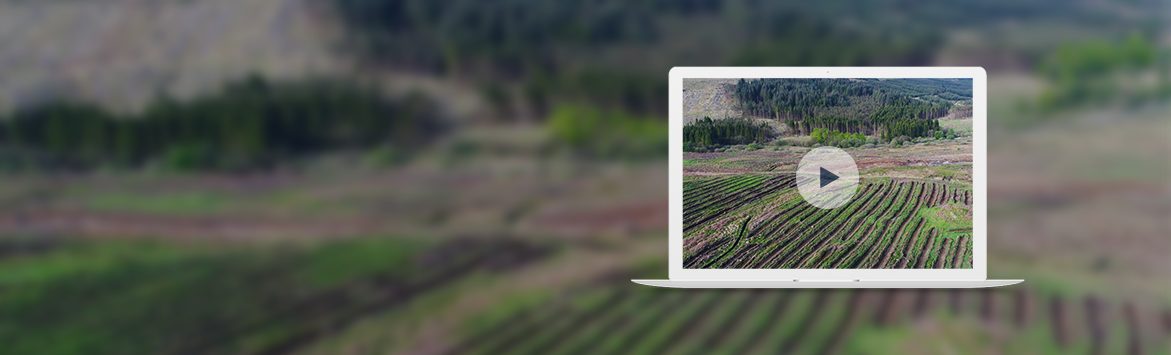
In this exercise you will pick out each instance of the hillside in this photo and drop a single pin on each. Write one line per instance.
(708, 97)
(123, 52)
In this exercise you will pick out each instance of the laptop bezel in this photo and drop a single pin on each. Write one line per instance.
(979, 173)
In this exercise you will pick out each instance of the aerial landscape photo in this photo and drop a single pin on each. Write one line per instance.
(911, 140)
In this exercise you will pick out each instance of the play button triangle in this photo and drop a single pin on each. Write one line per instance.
(827, 177)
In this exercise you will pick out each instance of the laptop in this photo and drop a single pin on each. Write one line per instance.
(828, 177)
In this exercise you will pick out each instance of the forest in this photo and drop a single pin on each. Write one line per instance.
(529, 52)
(251, 124)
(957, 89)
(803, 98)
(726, 132)
(887, 108)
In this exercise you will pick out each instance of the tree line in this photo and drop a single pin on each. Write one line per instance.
(908, 127)
(795, 98)
(954, 89)
(833, 123)
(531, 56)
(892, 123)
(902, 107)
(727, 131)
(801, 99)
(249, 124)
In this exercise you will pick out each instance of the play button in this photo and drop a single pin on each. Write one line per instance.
(827, 177)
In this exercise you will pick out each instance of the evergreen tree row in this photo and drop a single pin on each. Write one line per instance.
(248, 125)
(795, 98)
(908, 127)
(887, 127)
(903, 107)
(801, 99)
(833, 123)
(955, 89)
(726, 131)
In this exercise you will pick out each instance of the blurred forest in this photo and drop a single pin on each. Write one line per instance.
(249, 125)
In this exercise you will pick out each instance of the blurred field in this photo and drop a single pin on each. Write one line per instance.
(505, 235)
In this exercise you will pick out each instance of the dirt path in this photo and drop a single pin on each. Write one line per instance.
(617, 218)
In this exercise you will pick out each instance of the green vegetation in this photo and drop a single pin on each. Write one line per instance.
(799, 99)
(596, 132)
(1090, 72)
(873, 230)
(616, 90)
(795, 98)
(797, 321)
(835, 123)
(935, 89)
(748, 182)
(837, 139)
(448, 34)
(867, 106)
(950, 219)
(251, 124)
(576, 50)
(701, 133)
(704, 200)
(793, 38)
(85, 297)
(63, 297)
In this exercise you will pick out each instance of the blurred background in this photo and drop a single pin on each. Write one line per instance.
(484, 177)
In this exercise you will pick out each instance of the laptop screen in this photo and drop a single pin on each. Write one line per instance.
(827, 173)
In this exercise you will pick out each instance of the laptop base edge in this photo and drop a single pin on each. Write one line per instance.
(826, 284)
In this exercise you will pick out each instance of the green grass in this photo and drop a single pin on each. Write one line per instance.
(959, 336)
(949, 225)
(959, 173)
(960, 127)
(658, 321)
(746, 182)
(141, 297)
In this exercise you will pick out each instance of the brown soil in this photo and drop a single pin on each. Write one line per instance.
(125, 224)
(867, 164)
(633, 217)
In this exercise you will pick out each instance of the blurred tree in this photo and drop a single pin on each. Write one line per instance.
(251, 124)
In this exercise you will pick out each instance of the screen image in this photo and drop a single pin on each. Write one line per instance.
(827, 173)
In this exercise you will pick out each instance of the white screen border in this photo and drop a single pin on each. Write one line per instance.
(979, 173)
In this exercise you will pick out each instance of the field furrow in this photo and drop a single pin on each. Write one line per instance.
(840, 245)
(807, 257)
(868, 252)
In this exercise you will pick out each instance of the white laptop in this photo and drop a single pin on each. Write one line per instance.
(828, 177)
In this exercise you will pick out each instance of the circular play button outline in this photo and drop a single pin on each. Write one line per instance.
(827, 177)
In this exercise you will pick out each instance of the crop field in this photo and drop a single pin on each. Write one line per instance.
(890, 224)
(224, 299)
(603, 320)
